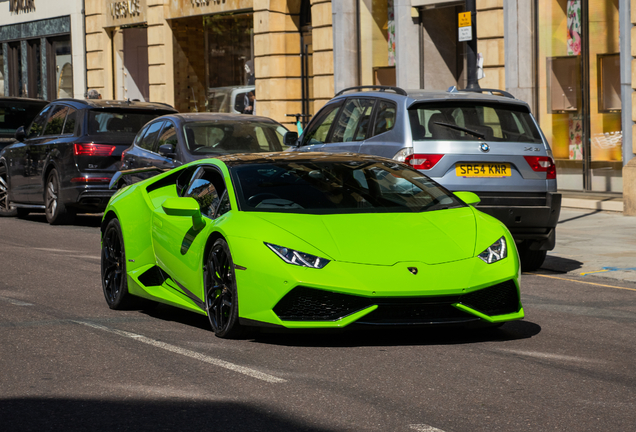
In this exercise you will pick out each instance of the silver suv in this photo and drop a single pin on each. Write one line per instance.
(483, 141)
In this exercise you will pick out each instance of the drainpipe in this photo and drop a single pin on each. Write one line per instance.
(624, 6)
(471, 48)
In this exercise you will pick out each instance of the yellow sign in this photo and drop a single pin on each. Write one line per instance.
(464, 19)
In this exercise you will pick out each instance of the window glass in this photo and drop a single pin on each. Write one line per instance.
(63, 67)
(37, 126)
(354, 121)
(14, 114)
(232, 137)
(149, 139)
(140, 135)
(317, 132)
(206, 187)
(55, 123)
(224, 206)
(2, 77)
(467, 121)
(334, 187)
(119, 121)
(376, 27)
(385, 119)
(71, 119)
(168, 136)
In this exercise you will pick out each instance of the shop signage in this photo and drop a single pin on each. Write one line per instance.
(124, 12)
(465, 27)
(175, 9)
(17, 6)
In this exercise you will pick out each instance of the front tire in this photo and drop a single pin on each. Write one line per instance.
(221, 295)
(531, 260)
(56, 211)
(5, 208)
(114, 281)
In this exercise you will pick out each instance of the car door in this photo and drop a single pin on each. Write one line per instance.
(178, 246)
(19, 158)
(316, 133)
(383, 138)
(351, 127)
(168, 135)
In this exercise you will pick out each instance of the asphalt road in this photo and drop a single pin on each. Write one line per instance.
(68, 363)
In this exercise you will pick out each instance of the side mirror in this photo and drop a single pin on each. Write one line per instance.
(167, 150)
(20, 135)
(186, 206)
(290, 139)
(469, 198)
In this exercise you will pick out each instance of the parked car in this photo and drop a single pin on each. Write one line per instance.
(308, 240)
(64, 161)
(229, 99)
(175, 139)
(486, 142)
(16, 112)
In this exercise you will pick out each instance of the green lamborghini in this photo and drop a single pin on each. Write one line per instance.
(308, 240)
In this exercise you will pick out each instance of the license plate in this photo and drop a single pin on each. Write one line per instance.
(478, 169)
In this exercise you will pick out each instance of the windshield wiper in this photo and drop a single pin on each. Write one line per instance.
(463, 129)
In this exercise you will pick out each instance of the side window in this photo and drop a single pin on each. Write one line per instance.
(37, 126)
(55, 124)
(354, 121)
(385, 118)
(168, 136)
(207, 188)
(224, 206)
(317, 132)
(148, 141)
(71, 120)
(140, 136)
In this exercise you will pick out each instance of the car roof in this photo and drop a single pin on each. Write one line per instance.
(258, 158)
(211, 116)
(109, 104)
(22, 99)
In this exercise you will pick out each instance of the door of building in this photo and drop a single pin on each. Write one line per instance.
(136, 80)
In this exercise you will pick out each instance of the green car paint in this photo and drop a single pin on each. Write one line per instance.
(370, 254)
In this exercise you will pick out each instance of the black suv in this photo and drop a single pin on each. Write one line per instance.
(65, 160)
(15, 112)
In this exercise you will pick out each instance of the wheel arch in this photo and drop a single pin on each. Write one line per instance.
(50, 166)
(109, 216)
(214, 236)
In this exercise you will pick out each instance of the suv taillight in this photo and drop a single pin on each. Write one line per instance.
(92, 149)
(423, 161)
(542, 164)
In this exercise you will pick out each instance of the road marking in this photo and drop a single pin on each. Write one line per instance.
(578, 281)
(424, 428)
(15, 302)
(192, 354)
(85, 256)
(56, 250)
(609, 269)
(549, 356)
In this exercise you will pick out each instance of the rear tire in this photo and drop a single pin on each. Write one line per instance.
(57, 213)
(5, 208)
(531, 260)
(114, 279)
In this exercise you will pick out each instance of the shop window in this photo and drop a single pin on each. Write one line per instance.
(229, 50)
(34, 67)
(377, 42)
(563, 85)
(61, 69)
(16, 87)
(609, 82)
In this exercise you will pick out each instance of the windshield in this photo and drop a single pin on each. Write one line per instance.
(239, 136)
(338, 187)
(118, 121)
(466, 121)
(14, 114)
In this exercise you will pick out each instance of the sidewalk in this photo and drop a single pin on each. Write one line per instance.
(594, 243)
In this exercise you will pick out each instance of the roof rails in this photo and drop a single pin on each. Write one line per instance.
(504, 93)
(380, 88)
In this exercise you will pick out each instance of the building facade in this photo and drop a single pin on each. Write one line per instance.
(42, 51)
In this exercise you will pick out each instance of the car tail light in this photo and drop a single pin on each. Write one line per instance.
(92, 149)
(90, 180)
(423, 161)
(542, 164)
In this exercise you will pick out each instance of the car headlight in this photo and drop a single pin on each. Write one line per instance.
(295, 257)
(497, 251)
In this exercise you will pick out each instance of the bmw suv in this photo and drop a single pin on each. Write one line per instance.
(483, 141)
(64, 161)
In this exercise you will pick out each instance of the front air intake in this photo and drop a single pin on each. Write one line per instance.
(498, 299)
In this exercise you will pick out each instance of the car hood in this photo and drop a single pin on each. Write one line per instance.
(385, 238)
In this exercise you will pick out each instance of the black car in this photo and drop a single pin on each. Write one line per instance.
(175, 139)
(64, 161)
(16, 112)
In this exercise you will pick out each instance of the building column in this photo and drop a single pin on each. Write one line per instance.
(490, 42)
(519, 24)
(98, 51)
(407, 46)
(627, 10)
(345, 44)
(5, 71)
(160, 54)
(24, 56)
(323, 53)
(44, 73)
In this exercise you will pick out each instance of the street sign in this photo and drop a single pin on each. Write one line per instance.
(465, 27)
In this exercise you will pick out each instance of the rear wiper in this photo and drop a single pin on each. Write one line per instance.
(463, 129)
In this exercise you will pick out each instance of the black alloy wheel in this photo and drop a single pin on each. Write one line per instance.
(5, 208)
(221, 297)
(114, 282)
(56, 212)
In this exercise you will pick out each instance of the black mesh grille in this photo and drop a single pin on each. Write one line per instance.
(307, 304)
(416, 314)
(498, 299)
(154, 276)
(512, 199)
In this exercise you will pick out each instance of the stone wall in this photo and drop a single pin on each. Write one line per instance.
(323, 81)
(490, 42)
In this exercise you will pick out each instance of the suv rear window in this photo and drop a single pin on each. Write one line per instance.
(467, 121)
(118, 121)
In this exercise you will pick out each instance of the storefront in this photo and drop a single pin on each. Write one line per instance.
(579, 93)
(42, 49)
